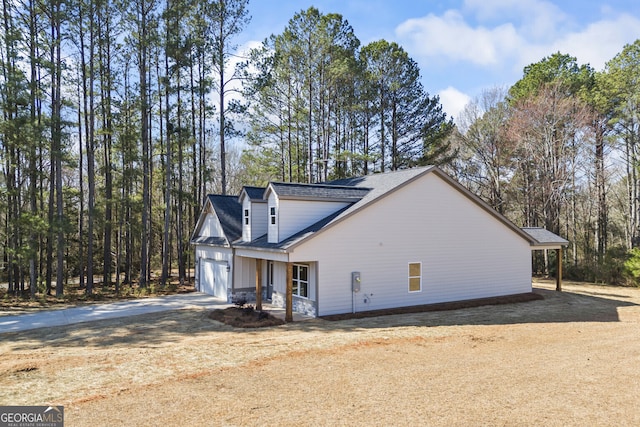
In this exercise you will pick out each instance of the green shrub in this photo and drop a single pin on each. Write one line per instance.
(632, 265)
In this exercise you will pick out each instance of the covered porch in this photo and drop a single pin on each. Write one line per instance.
(544, 240)
(278, 282)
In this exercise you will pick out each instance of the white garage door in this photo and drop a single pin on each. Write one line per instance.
(213, 278)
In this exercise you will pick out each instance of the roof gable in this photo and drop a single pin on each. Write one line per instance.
(228, 212)
(255, 194)
(386, 183)
(360, 192)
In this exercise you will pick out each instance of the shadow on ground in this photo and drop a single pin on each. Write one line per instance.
(596, 304)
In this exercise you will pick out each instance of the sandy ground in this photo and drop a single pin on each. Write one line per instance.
(572, 359)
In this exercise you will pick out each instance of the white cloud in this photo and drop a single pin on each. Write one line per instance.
(508, 35)
(453, 101)
(451, 36)
(600, 41)
(534, 18)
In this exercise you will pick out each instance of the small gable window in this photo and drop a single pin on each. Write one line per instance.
(272, 215)
(415, 276)
(246, 217)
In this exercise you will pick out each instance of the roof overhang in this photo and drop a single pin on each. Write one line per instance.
(210, 241)
(542, 239)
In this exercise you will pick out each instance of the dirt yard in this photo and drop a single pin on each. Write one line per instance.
(572, 359)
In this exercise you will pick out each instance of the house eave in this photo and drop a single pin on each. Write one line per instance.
(321, 199)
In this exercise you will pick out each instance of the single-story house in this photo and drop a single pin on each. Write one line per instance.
(396, 239)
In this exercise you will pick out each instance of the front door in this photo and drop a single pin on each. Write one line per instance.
(269, 279)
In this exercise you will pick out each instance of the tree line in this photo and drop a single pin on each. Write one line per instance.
(559, 149)
(110, 135)
(323, 107)
(118, 118)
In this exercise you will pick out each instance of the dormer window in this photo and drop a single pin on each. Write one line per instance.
(272, 215)
(246, 217)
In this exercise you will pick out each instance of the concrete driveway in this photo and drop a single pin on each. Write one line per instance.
(88, 313)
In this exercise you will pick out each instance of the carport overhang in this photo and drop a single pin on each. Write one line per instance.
(541, 240)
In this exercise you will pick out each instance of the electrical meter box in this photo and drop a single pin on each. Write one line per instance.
(355, 281)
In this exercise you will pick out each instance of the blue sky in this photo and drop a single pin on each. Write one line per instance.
(466, 46)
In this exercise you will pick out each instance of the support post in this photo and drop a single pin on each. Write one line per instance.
(559, 269)
(259, 284)
(288, 317)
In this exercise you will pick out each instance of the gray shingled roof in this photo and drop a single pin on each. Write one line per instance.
(317, 191)
(229, 213)
(361, 191)
(544, 237)
(254, 193)
(263, 243)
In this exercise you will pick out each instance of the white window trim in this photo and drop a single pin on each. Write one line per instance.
(412, 277)
(293, 279)
(272, 215)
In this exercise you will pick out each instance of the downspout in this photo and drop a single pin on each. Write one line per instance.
(353, 301)
(233, 269)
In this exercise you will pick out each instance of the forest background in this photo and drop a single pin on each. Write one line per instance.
(117, 118)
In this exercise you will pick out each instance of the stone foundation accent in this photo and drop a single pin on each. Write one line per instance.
(300, 305)
(233, 296)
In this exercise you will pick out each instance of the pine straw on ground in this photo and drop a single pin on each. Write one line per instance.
(245, 317)
(569, 359)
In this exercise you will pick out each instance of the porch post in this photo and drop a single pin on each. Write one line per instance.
(559, 269)
(259, 284)
(288, 317)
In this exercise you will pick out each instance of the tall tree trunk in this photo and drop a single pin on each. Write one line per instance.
(81, 260)
(88, 84)
(221, 63)
(166, 244)
(180, 210)
(144, 137)
(56, 140)
(105, 91)
(33, 171)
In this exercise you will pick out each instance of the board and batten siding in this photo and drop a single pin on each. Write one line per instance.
(246, 228)
(258, 219)
(272, 229)
(293, 216)
(245, 273)
(211, 226)
(466, 253)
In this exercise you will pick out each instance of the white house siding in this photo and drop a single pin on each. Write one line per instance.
(244, 280)
(245, 274)
(296, 215)
(211, 227)
(465, 252)
(272, 229)
(246, 228)
(259, 219)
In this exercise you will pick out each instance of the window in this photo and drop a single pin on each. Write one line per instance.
(272, 214)
(415, 276)
(246, 217)
(301, 280)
